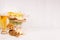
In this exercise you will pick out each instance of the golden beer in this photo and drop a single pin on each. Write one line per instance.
(3, 23)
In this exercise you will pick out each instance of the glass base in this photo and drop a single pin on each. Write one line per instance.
(3, 32)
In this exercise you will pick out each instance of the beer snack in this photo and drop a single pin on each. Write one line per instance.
(10, 26)
(12, 30)
(16, 19)
(14, 33)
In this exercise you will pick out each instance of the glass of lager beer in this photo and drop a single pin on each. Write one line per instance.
(3, 23)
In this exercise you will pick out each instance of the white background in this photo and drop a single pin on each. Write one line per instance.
(43, 20)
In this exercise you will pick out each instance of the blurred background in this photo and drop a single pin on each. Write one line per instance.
(43, 18)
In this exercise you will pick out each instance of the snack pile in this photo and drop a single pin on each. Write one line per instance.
(14, 23)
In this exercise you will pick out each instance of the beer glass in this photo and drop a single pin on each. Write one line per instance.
(3, 23)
